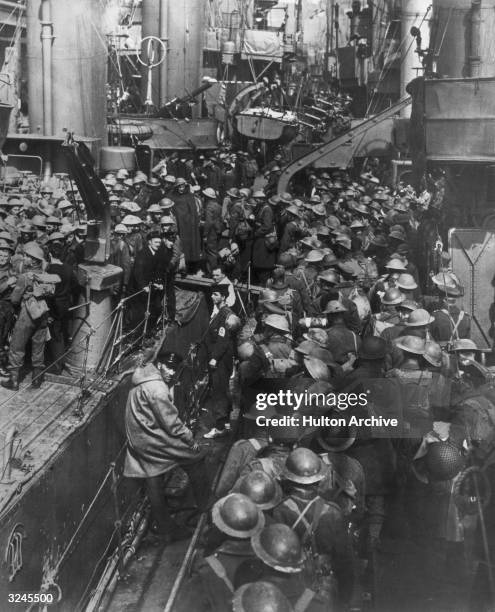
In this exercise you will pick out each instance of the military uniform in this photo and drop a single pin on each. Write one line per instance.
(240, 455)
(386, 320)
(272, 463)
(263, 258)
(28, 326)
(6, 308)
(212, 231)
(323, 524)
(271, 359)
(219, 346)
(415, 384)
(298, 285)
(308, 276)
(450, 324)
(342, 341)
(219, 573)
(343, 471)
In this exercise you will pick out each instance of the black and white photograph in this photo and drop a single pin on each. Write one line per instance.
(247, 305)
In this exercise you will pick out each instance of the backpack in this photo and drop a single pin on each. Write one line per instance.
(251, 168)
(43, 286)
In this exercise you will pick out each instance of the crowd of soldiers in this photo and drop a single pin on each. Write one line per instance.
(347, 303)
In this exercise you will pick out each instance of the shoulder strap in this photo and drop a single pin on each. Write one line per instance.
(267, 465)
(355, 342)
(219, 570)
(301, 517)
(455, 329)
(455, 324)
(255, 444)
(303, 602)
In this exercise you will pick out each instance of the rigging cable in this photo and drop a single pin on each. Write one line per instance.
(385, 69)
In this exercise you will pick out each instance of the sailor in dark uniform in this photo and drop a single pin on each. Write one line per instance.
(220, 349)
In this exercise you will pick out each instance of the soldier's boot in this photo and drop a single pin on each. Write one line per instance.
(4, 362)
(38, 378)
(12, 382)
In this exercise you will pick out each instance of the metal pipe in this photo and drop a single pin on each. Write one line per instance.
(12, 5)
(46, 61)
(186, 562)
(163, 68)
(414, 13)
(7, 454)
(108, 580)
(130, 552)
(475, 43)
(150, 76)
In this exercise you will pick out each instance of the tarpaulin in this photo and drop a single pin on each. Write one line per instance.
(262, 45)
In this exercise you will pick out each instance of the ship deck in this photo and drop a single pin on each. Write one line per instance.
(43, 420)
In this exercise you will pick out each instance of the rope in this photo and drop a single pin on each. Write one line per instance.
(78, 410)
(386, 70)
(84, 388)
(104, 555)
(89, 509)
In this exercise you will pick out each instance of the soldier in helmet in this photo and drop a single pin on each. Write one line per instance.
(172, 240)
(261, 488)
(409, 287)
(266, 305)
(236, 518)
(388, 319)
(272, 182)
(418, 324)
(265, 243)
(120, 255)
(251, 597)
(450, 322)
(8, 279)
(188, 224)
(282, 439)
(242, 452)
(281, 561)
(440, 396)
(213, 227)
(394, 267)
(272, 356)
(374, 452)
(150, 193)
(330, 283)
(292, 231)
(214, 174)
(288, 299)
(154, 214)
(134, 239)
(320, 524)
(415, 380)
(464, 366)
(345, 480)
(32, 321)
(288, 262)
(231, 196)
(343, 342)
